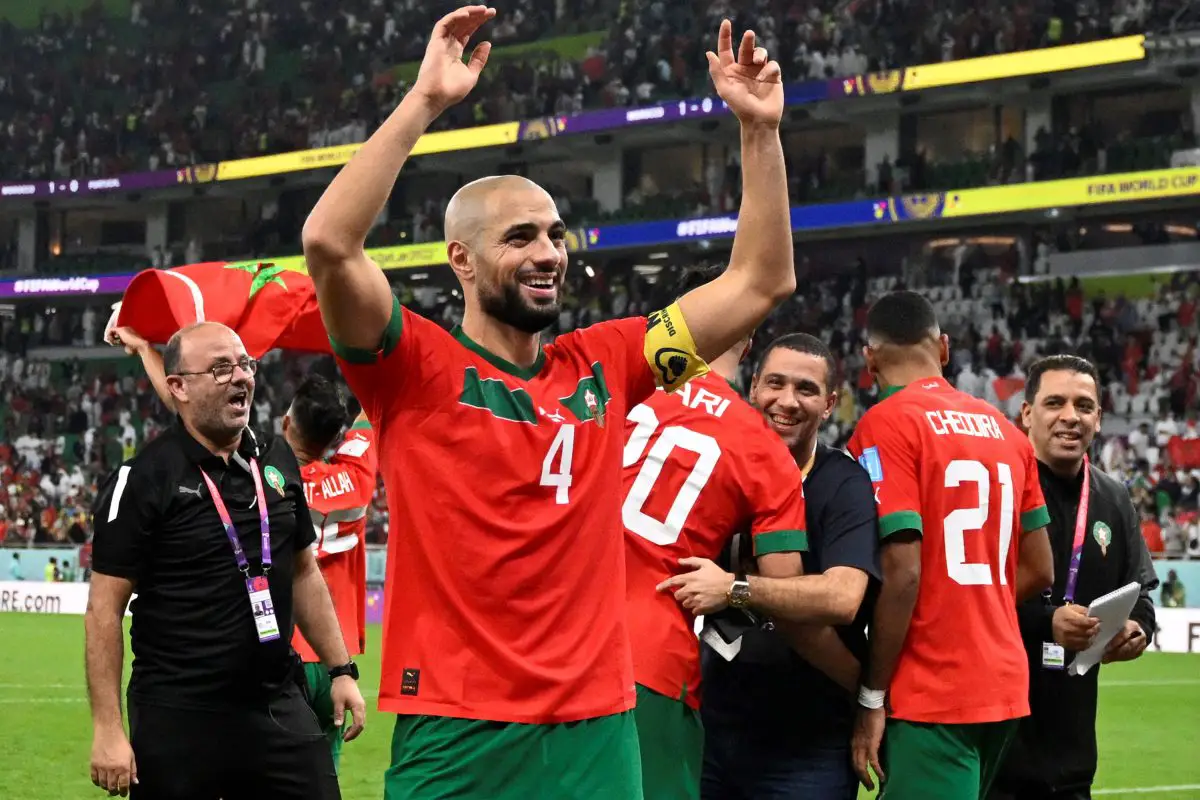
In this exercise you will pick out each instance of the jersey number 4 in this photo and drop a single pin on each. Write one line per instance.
(959, 521)
(708, 451)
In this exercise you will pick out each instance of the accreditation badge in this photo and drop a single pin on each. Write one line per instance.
(263, 608)
(1053, 656)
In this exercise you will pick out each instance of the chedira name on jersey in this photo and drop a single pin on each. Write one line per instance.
(331, 486)
(698, 398)
(947, 423)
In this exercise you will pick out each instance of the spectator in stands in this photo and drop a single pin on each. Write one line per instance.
(1173, 594)
(14, 568)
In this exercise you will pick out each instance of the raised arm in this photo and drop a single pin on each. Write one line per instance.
(761, 272)
(152, 361)
(355, 299)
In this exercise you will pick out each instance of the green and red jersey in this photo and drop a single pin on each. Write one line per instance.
(505, 571)
(338, 492)
(700, 466)
(952, 468)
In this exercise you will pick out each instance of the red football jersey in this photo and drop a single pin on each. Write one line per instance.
(700, 466)
(338, 493)
(505, 568)
(952, 467)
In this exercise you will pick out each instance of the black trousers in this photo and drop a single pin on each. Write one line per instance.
(274, 751)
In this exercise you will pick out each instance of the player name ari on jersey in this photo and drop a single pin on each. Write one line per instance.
(962, 423)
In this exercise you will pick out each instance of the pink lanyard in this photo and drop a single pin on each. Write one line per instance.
(1080, 532)
(264, 525)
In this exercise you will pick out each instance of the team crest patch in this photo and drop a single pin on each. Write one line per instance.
(869, 460)
(275, 479)
(1103, 536)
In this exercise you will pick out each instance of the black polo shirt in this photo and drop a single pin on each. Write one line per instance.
(194, 640)
(769, 692)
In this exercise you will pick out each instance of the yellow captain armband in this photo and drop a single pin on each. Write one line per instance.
(669, 349)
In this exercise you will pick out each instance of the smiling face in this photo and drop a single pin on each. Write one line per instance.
(1063, 419)
(508, 248)
(790, 391)
(220, 411)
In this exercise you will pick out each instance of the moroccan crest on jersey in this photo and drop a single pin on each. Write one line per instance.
(869, 460)
(1103, 536)
(274, 479)
(590, 399)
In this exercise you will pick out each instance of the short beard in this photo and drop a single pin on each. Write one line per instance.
(506, 304)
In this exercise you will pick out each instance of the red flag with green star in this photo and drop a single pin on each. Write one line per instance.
(269, 306)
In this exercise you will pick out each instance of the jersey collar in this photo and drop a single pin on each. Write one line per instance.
(524, 373)
(200, 455)
(925, 383)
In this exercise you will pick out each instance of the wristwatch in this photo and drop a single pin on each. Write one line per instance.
(739, 593)
(349, 668)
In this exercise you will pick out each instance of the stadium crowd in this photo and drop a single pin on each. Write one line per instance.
(67, 424)
(175, 83)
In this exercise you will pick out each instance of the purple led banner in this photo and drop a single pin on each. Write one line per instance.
(48, 286)
(127, 182)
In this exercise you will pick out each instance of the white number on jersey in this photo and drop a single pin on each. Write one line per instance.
(329, 536)
(668, 530)
(961, 520)
(562, 448)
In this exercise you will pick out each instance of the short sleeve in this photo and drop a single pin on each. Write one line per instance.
(358, 454)
(619, 344)
(849, 524)
(377, 376)
(123, 515)
(777, 522)
(893, 468)
(1034, 514)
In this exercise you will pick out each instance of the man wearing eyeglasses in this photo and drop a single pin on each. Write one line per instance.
(209, 525)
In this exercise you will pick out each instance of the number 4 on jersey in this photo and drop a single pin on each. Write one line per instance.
(562, 450)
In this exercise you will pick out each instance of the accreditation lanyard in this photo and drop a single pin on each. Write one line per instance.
(1080, 533)
(257, 587)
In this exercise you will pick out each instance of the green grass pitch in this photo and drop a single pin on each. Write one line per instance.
(1149, 726)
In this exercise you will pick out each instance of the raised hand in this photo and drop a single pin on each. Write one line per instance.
(443, 78)
(749, 83)
(129, 339)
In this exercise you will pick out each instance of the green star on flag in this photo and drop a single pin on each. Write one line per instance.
(263, 273)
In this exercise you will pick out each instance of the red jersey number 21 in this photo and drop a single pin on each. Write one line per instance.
(959, 521)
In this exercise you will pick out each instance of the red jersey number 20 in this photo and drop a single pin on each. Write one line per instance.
(667, 531)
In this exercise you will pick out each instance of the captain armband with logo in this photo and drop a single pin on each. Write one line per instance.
(670, 350)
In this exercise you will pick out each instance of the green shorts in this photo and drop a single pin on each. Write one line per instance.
(439, 757)
(671, 739)
(320, 697)
(925, 761)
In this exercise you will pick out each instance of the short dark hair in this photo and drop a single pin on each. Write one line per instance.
(696, 276)
(902, 318)
(1059, 363)
(318, 411)
(803, 343)
(173, 354)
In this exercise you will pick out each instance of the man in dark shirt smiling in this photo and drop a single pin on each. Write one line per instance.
(778, 723)
(209, 526)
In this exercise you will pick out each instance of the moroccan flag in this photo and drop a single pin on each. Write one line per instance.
(269, 306)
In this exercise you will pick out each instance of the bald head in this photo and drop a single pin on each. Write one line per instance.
(480, 200)
(195, 337)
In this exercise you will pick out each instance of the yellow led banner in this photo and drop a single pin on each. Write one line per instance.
(1122, 188)
(1032, 62)
(403, 256)
(336, 156)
